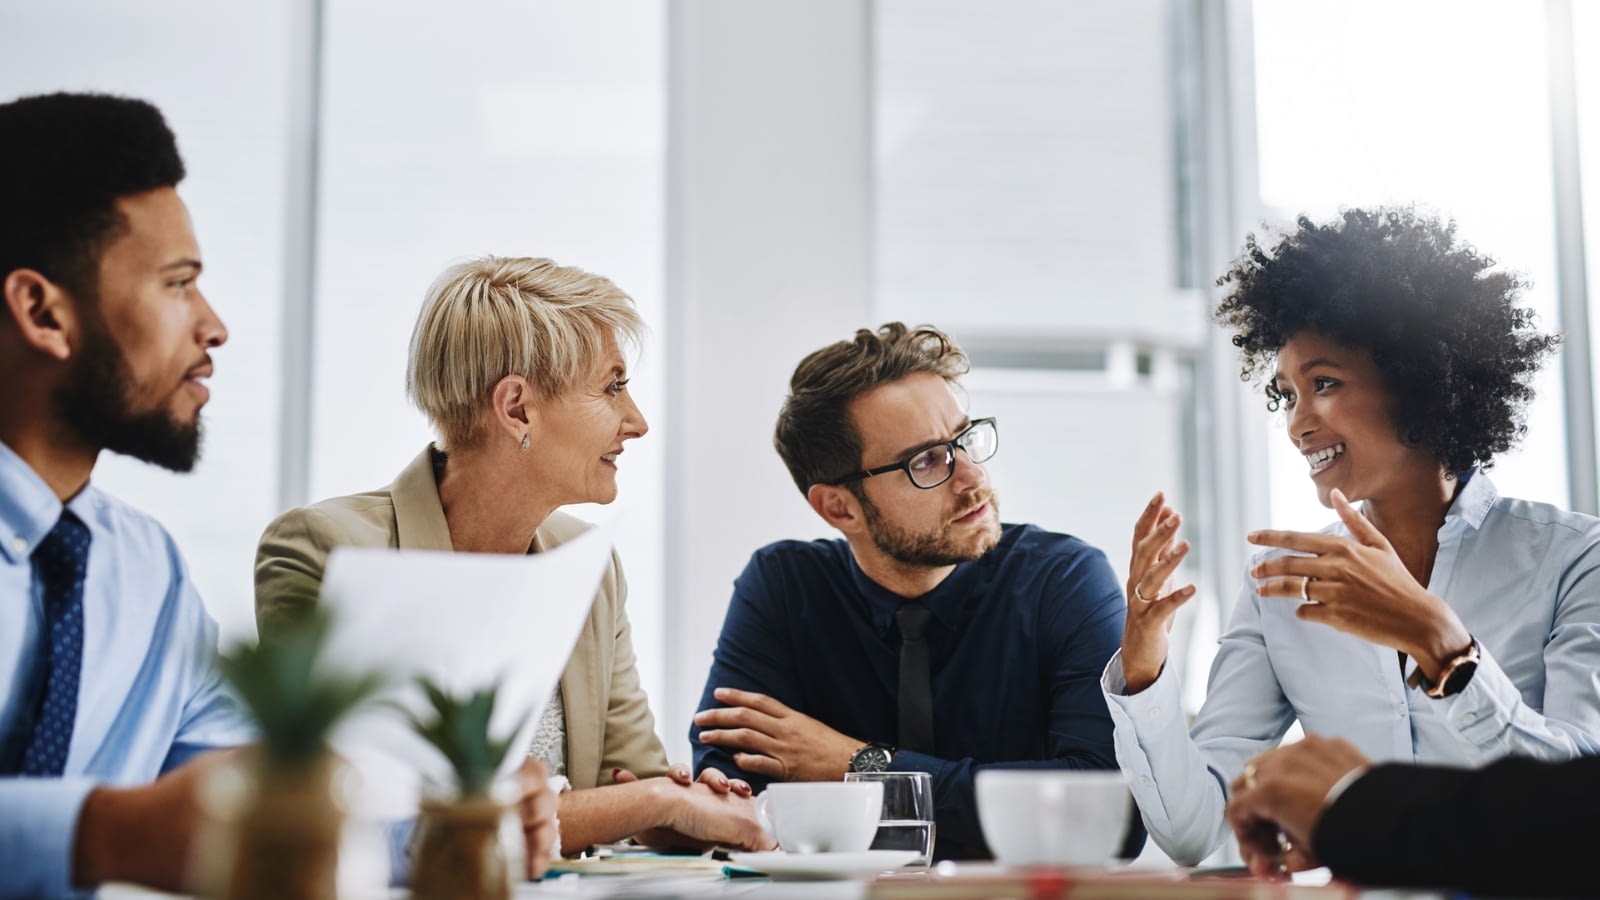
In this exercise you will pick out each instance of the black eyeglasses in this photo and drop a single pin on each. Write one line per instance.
(932, 466)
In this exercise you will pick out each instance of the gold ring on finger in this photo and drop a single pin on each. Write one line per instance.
(1305, 589)
(1139, 595)
(1248, 775)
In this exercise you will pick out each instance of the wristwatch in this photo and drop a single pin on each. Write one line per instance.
(1453, 678)
(873, 757)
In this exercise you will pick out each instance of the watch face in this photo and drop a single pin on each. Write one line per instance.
(1459, 678)
(870, 759)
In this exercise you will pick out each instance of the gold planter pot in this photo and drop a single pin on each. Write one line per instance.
(459, 855)
(275, 832)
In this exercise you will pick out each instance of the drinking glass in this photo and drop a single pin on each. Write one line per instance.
(907, 821)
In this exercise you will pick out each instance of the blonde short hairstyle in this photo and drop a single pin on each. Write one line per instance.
(488, 318)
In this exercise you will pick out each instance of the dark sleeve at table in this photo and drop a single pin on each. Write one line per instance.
(752, 654)
(1081, 613)
(1519, 827)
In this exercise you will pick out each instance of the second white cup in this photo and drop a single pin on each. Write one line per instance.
(821, 817)
(1053, 818)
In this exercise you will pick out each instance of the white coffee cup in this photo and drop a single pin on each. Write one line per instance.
(821, 817)
(1053, 817)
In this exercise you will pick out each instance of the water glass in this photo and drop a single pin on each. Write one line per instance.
(907, 821)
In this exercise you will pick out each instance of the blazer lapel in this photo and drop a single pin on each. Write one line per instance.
(418, 515)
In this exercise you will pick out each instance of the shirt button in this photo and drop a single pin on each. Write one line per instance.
(1469, 718)
(1144, 779)
(1155, 712)
(19, 545)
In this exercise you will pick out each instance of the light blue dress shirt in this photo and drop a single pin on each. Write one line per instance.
(148, 698)
(1524, 578)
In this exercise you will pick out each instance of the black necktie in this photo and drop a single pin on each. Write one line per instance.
(916, 686)
(61, 560)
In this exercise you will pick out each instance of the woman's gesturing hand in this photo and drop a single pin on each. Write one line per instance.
(1360, 586)
(1151, 604)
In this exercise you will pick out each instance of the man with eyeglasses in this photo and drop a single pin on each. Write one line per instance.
(930, 638)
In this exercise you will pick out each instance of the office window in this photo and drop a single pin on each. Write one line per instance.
(1445, 107)
(1586, 53)
(220, 76)
(504, 128)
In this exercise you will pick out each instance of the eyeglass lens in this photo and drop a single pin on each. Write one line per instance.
(933, 466)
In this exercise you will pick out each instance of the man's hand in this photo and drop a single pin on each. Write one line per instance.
(1280, 796)
(773, 740)
(536, 807)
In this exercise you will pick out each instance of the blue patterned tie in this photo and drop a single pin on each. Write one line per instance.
(61, 561)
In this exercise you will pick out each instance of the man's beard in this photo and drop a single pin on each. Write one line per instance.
(93, 401)
(929, 548)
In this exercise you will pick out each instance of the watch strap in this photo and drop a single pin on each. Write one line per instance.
(1457, 672)
(871, 748)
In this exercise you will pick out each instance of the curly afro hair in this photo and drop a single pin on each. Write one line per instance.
(1455, 351)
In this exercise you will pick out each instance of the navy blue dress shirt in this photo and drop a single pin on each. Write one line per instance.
(1017, 642)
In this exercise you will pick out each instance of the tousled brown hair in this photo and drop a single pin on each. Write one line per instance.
(815, 435)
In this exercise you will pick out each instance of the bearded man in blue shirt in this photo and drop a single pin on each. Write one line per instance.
(105, 649)
(930, 638)
(107, 688)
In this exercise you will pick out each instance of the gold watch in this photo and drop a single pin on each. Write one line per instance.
(1453, 678)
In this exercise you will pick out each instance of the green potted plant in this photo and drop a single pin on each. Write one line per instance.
(283, 817)
(459, 856)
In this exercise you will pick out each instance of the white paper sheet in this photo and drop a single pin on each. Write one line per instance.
(467, 621)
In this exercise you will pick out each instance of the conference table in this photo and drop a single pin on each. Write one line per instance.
(964, 881)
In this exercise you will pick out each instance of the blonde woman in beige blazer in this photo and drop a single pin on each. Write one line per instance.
(517, 364)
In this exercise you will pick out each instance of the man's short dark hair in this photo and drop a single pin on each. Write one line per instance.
(1455, 350)
(815, 435)
(65, 159)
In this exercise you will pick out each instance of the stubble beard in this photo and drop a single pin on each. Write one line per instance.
(93, 401)
(929, 548)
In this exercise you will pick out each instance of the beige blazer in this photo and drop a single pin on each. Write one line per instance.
(609, 724)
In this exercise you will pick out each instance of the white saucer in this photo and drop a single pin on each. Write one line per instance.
(818, 866)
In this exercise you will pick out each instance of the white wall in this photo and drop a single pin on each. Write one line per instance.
(1024, 173)
(767, 259)
(219, 73)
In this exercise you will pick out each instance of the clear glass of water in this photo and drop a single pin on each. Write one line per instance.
(907, 822)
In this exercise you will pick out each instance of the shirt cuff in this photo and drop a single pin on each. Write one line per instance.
(38, 825)
(1151, 718)
(1151, 734)
(1344, 782)
(1165, 690)
(560, 784)
(912, 761)
(1483, 711)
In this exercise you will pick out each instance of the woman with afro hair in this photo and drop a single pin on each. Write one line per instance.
(1435, 622)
